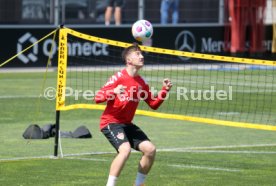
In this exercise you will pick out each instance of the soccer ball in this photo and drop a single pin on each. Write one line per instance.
(142, 30)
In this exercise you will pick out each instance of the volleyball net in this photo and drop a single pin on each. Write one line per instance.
(221, 90)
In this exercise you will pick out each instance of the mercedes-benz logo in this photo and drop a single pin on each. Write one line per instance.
(185, 41)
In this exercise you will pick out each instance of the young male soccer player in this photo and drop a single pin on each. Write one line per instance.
(123, 92)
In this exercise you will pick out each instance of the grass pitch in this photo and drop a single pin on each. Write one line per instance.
(188, 153)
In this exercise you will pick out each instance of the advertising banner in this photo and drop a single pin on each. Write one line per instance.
(193, 39)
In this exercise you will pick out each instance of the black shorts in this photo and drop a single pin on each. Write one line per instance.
(116, 3)
(118, 133)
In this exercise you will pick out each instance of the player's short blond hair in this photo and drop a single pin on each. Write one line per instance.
(134, 47)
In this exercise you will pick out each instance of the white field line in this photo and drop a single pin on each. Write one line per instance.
(217, 147)
(26, 158)
(18, 96)
(205, 168)
(27, 70)
(192, 149)
(228, 113)
(223, 151)
(147, 67)
(201, 149)
(67, 156)
(85, 159)
(88, 153)
(166, 150)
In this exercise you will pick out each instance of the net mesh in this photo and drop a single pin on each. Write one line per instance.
(203, 88)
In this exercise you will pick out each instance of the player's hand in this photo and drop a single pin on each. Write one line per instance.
(167, 84)
(120, 89)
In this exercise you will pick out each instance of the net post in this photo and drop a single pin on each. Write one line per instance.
(61, 78)
(57, 133)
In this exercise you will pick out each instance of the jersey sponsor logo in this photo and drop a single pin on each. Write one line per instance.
(132, 94)
(121, 136)
(127, 98)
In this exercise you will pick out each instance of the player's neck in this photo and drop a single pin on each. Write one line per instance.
(132, 71)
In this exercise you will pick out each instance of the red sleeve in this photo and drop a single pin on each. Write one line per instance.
(107, 91)
(155, 101)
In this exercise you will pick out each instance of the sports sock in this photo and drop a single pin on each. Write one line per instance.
(140, 178)
(111, 180)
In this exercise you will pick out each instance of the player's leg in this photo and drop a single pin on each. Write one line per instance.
(116, 136)
(119, 161)
(149, 150)
(139, 141)
(146, 162)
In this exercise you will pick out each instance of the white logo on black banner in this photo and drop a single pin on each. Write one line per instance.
(31, 54)
(185, 41)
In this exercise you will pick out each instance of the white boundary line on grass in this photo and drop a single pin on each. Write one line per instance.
(19, 96)
(88, 153)
(26, 158)
(85, 159)
(205, 168)
(223, 151)
(217, 147)
(66, 156)
(201, 149)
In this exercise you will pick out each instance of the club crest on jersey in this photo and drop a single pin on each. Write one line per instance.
(120, 136)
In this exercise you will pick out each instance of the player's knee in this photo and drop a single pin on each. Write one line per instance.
(150, 151)
(125, 150)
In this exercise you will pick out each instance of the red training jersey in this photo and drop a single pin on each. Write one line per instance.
(121, 108)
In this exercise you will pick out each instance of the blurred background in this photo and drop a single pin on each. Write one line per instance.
(55, 12)
(92, 11)
(225, 27)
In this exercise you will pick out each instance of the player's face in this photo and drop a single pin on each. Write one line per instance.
(136, 58)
